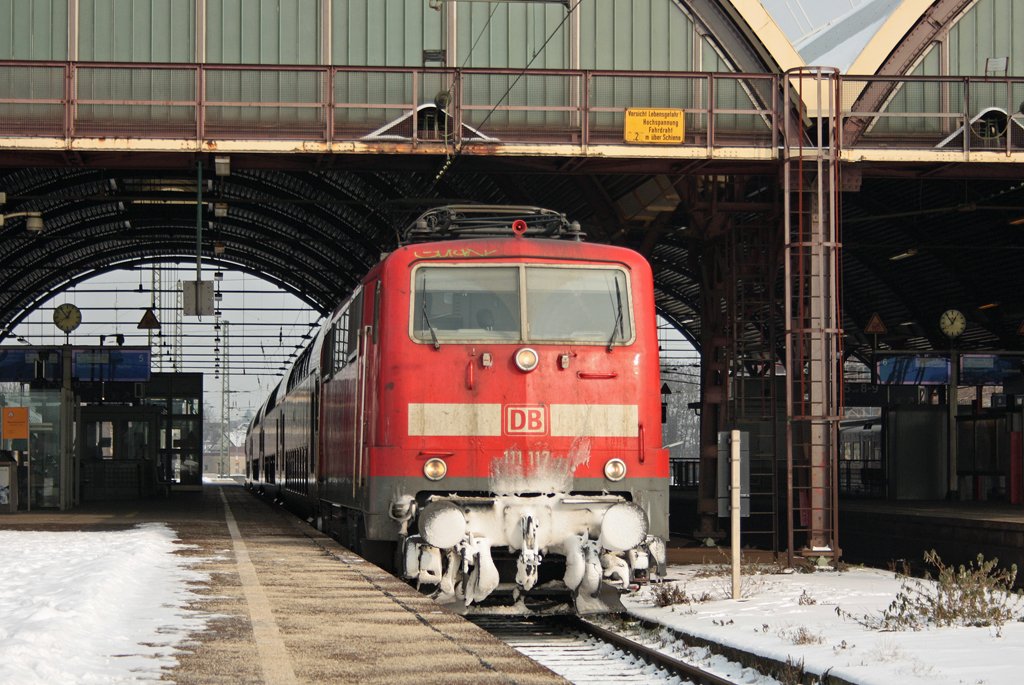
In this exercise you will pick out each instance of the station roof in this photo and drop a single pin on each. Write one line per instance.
(314, 224)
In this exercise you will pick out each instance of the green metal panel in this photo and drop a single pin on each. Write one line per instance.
(34, 29)
(734, 94)
(648, 35)
(513, 35)
(987, 30)
(136, 30)
(263, 31)
(390, 33)
(638, 35)
(922, 96)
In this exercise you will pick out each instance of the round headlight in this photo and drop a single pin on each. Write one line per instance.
(435, 469)
(527, 359)
(615, 469)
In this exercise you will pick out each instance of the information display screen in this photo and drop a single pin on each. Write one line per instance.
(111, 364)
(991, 369)
(913, 369)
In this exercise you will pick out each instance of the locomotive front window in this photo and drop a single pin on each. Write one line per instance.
(578, 305)
(466, 303)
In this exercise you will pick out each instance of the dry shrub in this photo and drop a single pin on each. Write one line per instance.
(668, 594)
(978, 594)
(801, 636)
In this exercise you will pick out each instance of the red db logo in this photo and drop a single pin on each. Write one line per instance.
(528, 419)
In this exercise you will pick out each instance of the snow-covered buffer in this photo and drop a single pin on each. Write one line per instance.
(601, 540)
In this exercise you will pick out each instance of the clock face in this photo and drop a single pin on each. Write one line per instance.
(952, 322)
(67, 317)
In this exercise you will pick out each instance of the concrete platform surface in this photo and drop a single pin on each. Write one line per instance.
(293, 606)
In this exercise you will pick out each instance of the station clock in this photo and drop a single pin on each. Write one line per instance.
(952, 323)
(67, 317)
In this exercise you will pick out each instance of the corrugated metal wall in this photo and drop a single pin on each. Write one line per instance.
(636, 35)
(650, 35)
(263, 31)
(34, 29)
(512, 35)
(390, 33)
(136, 30)
(987, 30)
(642, 35)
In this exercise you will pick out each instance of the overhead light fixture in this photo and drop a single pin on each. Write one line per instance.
(34, 222)
(222, 166)
(1019, 221)
(903, 255)
(990, 305)
(220, 209)
(218, 247)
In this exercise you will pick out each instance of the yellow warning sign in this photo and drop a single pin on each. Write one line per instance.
(655, 126)
(875, 325)
(15, 423)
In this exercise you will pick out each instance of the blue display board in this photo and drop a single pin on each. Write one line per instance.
(26, 364)
(913, 369)
(110, 364)
(991, 369)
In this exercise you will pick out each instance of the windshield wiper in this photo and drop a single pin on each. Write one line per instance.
(617, 326)
(426, 320)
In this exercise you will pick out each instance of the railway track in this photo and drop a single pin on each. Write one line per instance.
(582, 652)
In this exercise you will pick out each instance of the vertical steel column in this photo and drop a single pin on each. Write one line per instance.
(225, 405)
(813, 318)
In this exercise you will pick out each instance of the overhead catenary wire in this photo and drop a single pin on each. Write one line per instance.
(458, 152)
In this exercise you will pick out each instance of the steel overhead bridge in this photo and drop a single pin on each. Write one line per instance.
(103, 107)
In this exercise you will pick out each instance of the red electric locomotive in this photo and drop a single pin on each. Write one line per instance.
(484, 411)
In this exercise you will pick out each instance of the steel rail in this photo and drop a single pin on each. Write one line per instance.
(648, 654)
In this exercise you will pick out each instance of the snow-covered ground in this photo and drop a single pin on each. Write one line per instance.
(111, 607)
(93, 607)
(772, 620)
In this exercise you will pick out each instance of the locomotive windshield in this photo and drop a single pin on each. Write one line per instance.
(580, 305)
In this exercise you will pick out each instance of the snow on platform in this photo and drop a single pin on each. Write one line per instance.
(772, 621)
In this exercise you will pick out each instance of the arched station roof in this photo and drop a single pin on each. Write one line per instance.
(314, 224)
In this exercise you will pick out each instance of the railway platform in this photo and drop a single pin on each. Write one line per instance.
(291, 605)
(879, 532)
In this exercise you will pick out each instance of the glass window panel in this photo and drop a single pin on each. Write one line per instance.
(466, 304)
(577, 305)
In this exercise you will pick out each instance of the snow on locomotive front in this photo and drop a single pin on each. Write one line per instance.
(523, 392)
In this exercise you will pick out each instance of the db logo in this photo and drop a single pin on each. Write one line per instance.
(525, 419)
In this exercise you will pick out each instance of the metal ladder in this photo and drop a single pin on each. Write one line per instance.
(812, 309)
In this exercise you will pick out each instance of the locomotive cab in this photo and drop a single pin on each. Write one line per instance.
(538, 430)
(483, 413)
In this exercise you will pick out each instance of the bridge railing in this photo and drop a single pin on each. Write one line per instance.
(950, 113)
(369, 104)
(333, 104)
